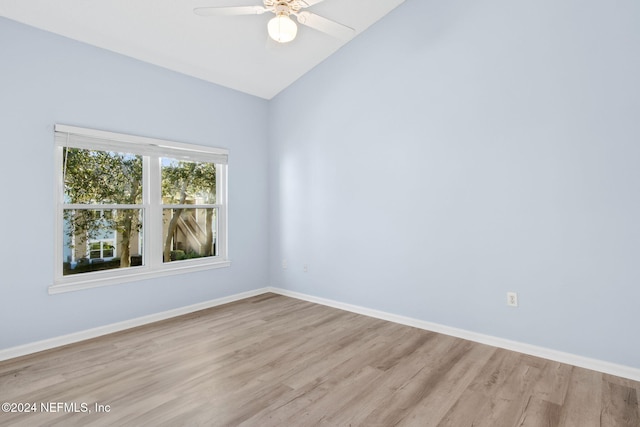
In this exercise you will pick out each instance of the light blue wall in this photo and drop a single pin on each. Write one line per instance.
(455, 151)
(462, 149)
(46, 79)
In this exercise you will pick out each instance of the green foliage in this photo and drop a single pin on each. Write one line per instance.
(183, 180)
(101, 177)
(95, 177)
(179, 255)
(84, 265)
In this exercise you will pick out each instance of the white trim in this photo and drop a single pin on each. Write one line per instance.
(545, 353)
(211, 206)
(222, 197)
(58, 227)
(533, 350)
(153, 244)
(138, 140)
(151, 207)
(75, 337)
(99, 207)
(111, 277)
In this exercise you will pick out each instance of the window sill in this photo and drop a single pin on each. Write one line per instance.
(98, 279)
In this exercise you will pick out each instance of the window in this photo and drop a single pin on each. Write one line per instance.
(131, 208)
(189, 210)
(101, 249)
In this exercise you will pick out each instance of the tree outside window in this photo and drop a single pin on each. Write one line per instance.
(136, 207)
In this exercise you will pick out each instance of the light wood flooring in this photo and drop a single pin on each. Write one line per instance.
(277, 361)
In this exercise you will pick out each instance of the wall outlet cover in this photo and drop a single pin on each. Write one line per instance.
(512, 299)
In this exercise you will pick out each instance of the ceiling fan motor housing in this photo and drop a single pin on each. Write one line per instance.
(283, 7)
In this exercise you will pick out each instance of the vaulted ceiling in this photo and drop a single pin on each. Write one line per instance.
(232, 51)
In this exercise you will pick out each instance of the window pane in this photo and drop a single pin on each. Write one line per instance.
(93, 242)
(107, 250)
(101, 177)
(189, 233)
(185, 182)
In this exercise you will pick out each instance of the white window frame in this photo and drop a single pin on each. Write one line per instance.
(102, 242)
(152, 237)
(111, 241)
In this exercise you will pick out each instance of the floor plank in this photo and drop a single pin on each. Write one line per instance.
(277, 361)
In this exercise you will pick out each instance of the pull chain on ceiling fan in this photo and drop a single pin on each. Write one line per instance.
(282, 28)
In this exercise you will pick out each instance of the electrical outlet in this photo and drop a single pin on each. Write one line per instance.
(284, 263)
(512, 299)
(305, 268)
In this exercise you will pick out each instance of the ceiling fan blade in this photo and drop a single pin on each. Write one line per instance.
(308, 3)
(229, 11)
(325, 25)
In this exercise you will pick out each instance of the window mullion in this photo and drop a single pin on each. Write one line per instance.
(203, 206)
(221, 199)
(153, 202)
(103, 207)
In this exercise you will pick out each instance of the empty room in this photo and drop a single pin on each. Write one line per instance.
(320, 212)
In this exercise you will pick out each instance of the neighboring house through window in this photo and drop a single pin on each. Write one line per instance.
(130, 207)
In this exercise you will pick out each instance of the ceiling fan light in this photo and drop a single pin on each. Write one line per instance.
(282, 29)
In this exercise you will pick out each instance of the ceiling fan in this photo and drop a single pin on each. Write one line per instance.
(282, 28)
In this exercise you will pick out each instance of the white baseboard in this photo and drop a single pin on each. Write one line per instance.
(545, 353)
(558, 356)
(47, 344)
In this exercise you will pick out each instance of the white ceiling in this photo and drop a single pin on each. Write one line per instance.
(232, 51)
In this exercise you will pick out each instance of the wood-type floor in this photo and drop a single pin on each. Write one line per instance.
(277, 361)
